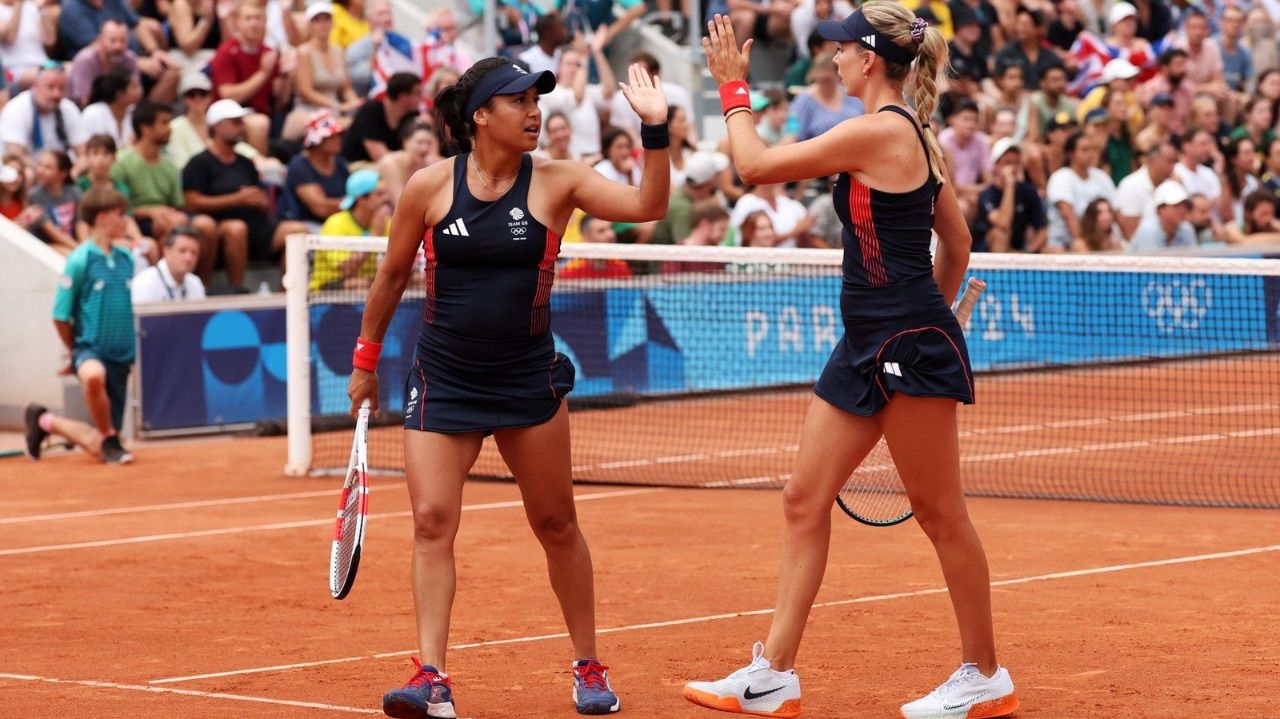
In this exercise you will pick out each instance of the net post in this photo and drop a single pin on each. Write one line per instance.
(297, 356)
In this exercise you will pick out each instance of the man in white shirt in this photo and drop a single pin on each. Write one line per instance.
(1198, 146)
(1168, 228)
(580, 102)
(1135, 197)
(42, 118)
(1072, 188)
(172, 278)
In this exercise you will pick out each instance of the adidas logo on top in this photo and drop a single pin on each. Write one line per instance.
(741, 91)
(870, 40)
(456, 228)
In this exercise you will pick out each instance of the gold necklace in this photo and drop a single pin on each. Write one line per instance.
(486, 177)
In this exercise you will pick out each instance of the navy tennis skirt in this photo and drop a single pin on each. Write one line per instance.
(460, 384)
(920, 353)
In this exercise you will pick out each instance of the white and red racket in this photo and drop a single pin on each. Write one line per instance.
(353, 508)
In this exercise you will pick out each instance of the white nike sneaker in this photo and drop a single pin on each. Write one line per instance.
(968, 694)
(753, 689)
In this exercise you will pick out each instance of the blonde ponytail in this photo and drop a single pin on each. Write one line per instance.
(895, 22)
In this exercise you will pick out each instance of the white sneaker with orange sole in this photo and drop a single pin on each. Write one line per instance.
(968, 694)
(753, 689)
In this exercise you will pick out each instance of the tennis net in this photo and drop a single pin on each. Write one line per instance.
(1116, 378)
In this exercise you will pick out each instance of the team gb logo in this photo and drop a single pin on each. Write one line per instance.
(517, 214)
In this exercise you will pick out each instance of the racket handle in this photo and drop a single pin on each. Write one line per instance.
(364, 410)
(972, 291)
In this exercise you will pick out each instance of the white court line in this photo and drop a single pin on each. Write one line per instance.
(748, 613)
(291, 525)
(188, 692)
(195, 504)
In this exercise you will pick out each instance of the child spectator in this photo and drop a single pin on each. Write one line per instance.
(100, 157)
(13, 189)
(58, 200)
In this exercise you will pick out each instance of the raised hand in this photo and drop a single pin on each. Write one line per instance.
(645, 95)
(725, 60)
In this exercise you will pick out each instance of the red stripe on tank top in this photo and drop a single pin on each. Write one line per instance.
(429, 276)
(864, 226)
(540, 313)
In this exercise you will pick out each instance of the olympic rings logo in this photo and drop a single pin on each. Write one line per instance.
(1177, 304)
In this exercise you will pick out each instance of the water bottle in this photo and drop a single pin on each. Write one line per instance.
(264, 288)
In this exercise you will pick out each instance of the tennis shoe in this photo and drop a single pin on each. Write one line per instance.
(753, 689)
(428, 694)
(35, 435)
(591, 691)
(968, 694)
(113, 452)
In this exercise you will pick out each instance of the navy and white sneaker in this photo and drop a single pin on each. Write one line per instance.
(591, 691)
(428, 694)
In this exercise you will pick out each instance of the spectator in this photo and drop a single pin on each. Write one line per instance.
(1258, 223)
(1168, 227)
(349, 23)
(13, 190)
(798, 70)
(762, 20)
(365, 210)
(1072, 188)
(709, 227)
(1256, 122)
(57, 199)
(620, 112)
(680, 127)
(1205, 115)
(1028, 48)
(1051, 98)
(225, 185)
(967, 152)
(41, 118)
(702, 173)
(93, 314)
(1260, 40)
(824, 103)
(321, 81)
(545, 53)
(1198, 148)
(1011, 217)
(1171, 80)
(1127, 42)
(110, 109)
(1155, 19)
(80, 22)
(1135, 195)
(582, 103)
(197, 28)
(1011, 95)
(557, 136)
(375, 129)
(967, 46)
(27, 27)
(772, 109)
(152, 180)
(248, 72)
(1204, 60)
(421, 148)
(1117, 78)
(610, 17)
(1069, 23)
(1208, 230)
(1053, 156)
(1241, 161)
(961, 87)
(360, 53)
(317, 178)
(988, 19)
(1270, 178)
(619, 161)
(1159, 123)
(1237, 63)
(1118, 151)
(594, 229)
(109, 52)
(99, 156)
(189, 133)
(173, 278)
(788, 219)
(805, 18)
(1098, 229)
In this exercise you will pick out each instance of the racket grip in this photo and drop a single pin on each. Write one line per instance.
(972, 291)
(364, 410)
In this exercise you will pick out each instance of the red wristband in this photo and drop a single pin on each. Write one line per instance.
(366, 355)
(734, 94)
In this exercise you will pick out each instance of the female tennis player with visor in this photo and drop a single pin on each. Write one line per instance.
(902, 364)
(490, 221)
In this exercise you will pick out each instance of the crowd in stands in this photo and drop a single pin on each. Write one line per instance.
(1067, 125)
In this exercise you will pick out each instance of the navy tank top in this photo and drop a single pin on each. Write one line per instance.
(490, 265)
(886, 238)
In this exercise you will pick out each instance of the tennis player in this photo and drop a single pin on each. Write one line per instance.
(902, 364)
(490, 221)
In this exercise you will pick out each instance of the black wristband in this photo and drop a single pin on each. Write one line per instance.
(655, 137)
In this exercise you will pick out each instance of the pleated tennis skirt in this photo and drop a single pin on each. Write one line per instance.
(460, 384)
(922, 354)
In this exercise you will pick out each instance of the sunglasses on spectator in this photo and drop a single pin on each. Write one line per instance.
(196, 93)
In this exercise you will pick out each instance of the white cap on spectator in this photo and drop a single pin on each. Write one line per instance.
(1120, 11)
(194, 81)
(1001, 146)
(702, 167)
(1119, 69)
(225, 109)
(319, 8)
(1171, 192)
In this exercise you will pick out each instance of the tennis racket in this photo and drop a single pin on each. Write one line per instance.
(874, 494)
(353, 507)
